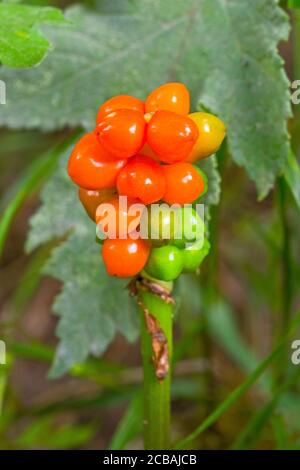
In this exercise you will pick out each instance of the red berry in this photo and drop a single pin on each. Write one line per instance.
(91, 167)
(169, 97)
(125, 258)
(184, 183)
(122, 132)
(171, 136)
(142, 178)
(119, 102)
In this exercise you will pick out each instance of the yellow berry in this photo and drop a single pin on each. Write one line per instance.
(212, 132)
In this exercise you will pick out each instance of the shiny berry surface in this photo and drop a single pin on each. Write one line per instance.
(90, 199)
(194, 255)
(184, 183)
(189, 227)
(212, 132)
(137, 181)
(122, 133)
(125, 258)
(91, 167)
(171, 136)
(119, 102)
(172, 96)
(118, 217)
(159, 222)
(165, 263)
(142, 178)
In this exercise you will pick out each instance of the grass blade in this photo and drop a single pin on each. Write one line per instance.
(252, 431)
(292, 176)
(130, 425)
(239, 391)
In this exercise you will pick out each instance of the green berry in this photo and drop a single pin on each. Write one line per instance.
(177, 226)
(165, 263)
(158, 223)
(190, 228)
(193, 255)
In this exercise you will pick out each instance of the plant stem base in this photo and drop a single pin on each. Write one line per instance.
(156, 391)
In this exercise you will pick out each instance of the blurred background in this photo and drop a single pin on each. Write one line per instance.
(229, 317)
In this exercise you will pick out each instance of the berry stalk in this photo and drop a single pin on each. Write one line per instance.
(156, 347)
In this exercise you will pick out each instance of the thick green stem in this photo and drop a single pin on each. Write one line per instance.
(156, 346)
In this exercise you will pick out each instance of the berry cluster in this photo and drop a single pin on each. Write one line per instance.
(145, 151)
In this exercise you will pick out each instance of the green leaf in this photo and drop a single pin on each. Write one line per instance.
(60, 211)
(92, 306)
(212, 46)
(242, 80)
(210, 168)
(21, 43)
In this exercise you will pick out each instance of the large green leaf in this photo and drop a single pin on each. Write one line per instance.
(21, 43)
(210, 168)
(225, 51)
(92, 306)
(60, 211)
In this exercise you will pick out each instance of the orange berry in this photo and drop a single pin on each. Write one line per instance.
(90, 199)
(142, 178)
(184, 183)
(91, 167)
(212, 132)
(119, 102)
(172, 96)
(171, 136)
(122, 132)
(119, 216)
(125, 258)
